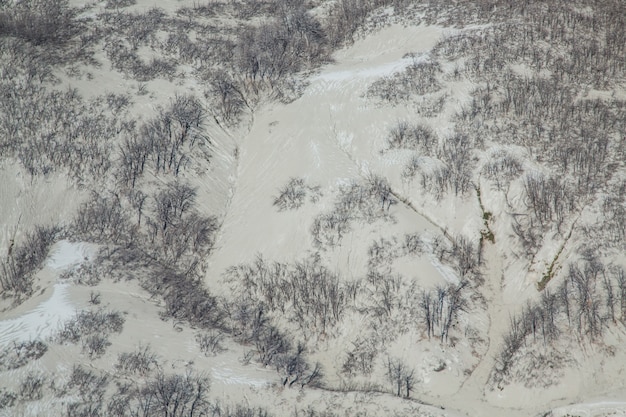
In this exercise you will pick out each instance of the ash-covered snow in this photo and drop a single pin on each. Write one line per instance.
(41, 322)
(44, 320)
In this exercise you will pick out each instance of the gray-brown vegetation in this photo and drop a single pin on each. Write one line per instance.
(558, 155)
(22, 262)
(92, 329)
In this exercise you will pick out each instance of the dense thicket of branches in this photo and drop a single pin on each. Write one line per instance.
(418, 79)
(164, 143)
(307, 292)
(24, 260)
(591, 297)
(528, 73)
(365, 201)
(53, 130)
(39, 22)
(92, 328)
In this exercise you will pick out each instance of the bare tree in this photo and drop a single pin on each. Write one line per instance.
(227, 96)
(292, 195)
(400, 376)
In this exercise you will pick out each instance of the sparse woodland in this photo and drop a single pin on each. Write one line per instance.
(537, 146)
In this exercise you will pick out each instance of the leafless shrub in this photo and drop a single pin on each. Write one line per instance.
(175, 395)
(137, 200)
(118, 4)
(306, 290)
(182, 48)
(413, 244)
(134, 153)
(347, 17)
(7, 399)
(21, 353)
(186, 299)
(177, 231)
(614, 216)
(382, 253)
(172, 395)
(173, 203)
(128, 61)
(94, 298)
(192, 236)
(237, 411)
(90, 409)
(254, 8)
(529, 232)
(460, 253)
(411, 169)
(87, 382)
(227, 96)
(548, 198)
(360, 359)
(211, 342)
(38, 22)
(95, 345)
(167, 139)
(512, 342)
(502, 168)
(135, 28)
(90, 389)
(586, 294)
(435, 179)
(365, 201)
(31, 387)
(384, 295)
(142, 361)
(416, 137)
(92, 329)
(39, 117)
(103, 219)
(87, 273)
(270, 344)
(274, 50)
(294, 369)
(23, 261)
(251, 324)
(430, 105)
(451, 171)
(456, 153)
(419, 78)
(293, 194)
(328, 229)
(466, 256)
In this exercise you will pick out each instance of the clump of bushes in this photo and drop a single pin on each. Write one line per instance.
(92, 328)
(39, 22)
(142, 361)
(21, 353)
(23, 261)
(418, 79)
(293, 194)
(365, 201)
